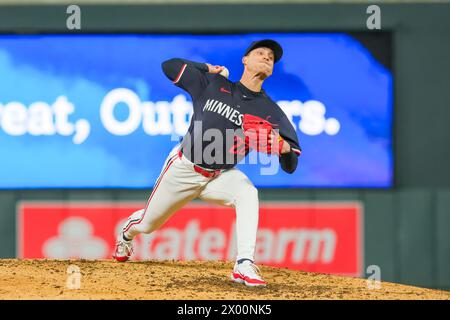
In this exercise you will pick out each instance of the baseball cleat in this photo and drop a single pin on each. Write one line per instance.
(247, 273)
(124, 249)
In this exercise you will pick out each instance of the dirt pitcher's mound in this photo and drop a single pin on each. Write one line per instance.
(48, 279)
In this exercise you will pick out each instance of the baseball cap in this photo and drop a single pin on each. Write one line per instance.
(268, 43)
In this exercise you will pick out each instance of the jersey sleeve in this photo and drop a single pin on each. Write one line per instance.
(188, 75)
(288, 133)
(289, 161)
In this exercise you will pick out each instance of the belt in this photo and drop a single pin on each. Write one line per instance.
(203, 172)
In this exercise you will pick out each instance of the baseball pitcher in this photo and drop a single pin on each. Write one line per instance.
(241, 112)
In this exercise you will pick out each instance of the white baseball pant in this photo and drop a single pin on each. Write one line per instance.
(178, 184)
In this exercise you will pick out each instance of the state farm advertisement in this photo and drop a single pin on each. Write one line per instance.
(323, 237)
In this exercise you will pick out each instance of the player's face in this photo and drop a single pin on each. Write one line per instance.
(260, 60)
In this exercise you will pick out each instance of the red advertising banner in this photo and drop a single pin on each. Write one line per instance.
(319, 237)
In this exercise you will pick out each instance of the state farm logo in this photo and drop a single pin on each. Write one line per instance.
(311, 237)
(273, 246)
(75, 240)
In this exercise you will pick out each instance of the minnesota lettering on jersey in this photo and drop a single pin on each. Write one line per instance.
(224, 110)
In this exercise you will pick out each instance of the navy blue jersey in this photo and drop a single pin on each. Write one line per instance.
(219, 106)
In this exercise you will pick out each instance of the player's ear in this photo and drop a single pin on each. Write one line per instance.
(244, 60)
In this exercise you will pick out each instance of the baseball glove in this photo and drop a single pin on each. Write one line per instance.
(260, 135)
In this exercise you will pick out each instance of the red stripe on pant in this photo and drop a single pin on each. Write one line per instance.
(150, 198)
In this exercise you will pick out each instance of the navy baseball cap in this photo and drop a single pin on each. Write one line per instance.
(268, 43)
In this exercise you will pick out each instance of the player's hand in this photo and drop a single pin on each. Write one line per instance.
(286, 147)
(276, 138)
(214, 69)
